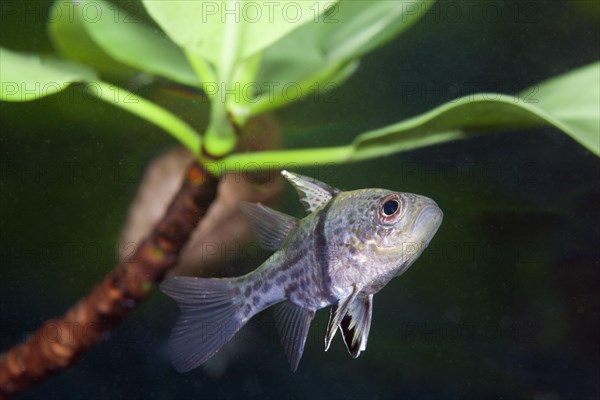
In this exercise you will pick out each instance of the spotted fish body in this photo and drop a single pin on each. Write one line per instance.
(349, 246)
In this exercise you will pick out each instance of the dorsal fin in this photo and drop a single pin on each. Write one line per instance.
(313, 193)
(269, 226)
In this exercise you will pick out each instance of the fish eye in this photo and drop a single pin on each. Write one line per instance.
(390, 207)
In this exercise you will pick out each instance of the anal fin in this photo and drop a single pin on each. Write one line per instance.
(293, 323)
(356, 324)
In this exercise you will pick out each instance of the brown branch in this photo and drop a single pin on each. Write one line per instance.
(59, 342)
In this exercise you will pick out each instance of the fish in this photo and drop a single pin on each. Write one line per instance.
(345, 250)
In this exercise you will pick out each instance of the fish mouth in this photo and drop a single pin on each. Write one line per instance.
(428, 221)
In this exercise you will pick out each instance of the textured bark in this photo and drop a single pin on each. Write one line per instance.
(59, 342)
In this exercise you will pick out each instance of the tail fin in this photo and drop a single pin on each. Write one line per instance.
(210, 316)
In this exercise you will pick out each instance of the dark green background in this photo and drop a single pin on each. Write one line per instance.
(504, 303)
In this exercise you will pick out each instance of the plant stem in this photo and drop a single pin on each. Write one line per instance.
(284, 158)
(220, 136)
(149, 111)
(204, 71)
(88, 321)
(356, 151)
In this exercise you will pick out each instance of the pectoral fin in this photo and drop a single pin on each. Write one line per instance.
(293, 323)
(356, 324)
(313, 193)
(337, 313)
(269, 226)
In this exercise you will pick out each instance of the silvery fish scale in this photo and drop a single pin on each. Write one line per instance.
(349, 246)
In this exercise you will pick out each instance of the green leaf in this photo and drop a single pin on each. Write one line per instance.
(124, 38)
(66, 28)
(570, 102)
(367, 24)
(27, 77)
(227, 31)
(347, 31)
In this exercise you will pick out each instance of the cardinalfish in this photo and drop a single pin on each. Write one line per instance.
(348, 247)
